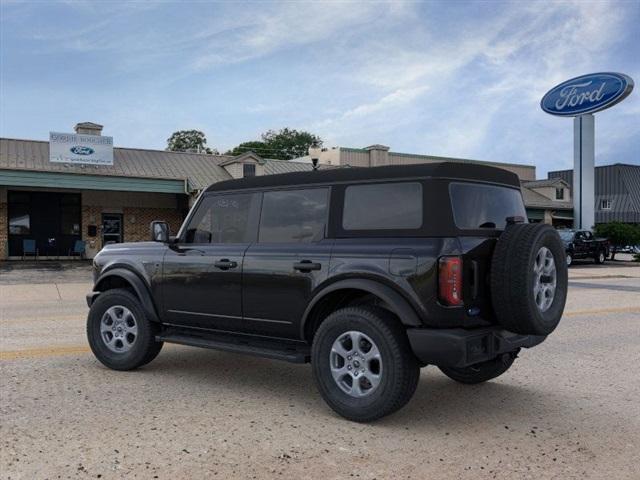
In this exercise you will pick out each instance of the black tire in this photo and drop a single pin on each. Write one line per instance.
(399, 372)
(144, 347)
(513, 279)
(480, 372)
(600, 257)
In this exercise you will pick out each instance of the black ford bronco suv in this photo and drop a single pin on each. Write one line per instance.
(367, 273)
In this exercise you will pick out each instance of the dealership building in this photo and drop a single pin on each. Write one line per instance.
(77, 189)
(57, 203)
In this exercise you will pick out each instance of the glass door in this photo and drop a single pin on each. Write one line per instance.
(111, 228)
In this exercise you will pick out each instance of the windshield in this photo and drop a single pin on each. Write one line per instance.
(477, 206)
(566, 235)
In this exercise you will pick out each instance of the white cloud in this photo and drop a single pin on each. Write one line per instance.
(450, 78)
(484, 80)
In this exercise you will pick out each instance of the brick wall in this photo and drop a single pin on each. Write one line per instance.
(91, 216)
(138, 231)
(135, 223)
(4, 241)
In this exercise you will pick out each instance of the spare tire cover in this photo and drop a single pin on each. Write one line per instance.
(529, 279)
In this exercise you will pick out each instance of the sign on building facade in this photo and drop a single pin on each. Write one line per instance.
(80, 149)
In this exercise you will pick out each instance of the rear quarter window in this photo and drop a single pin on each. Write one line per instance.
(383, 206)
(476, 206)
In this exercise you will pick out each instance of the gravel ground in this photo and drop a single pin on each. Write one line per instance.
(567, 409)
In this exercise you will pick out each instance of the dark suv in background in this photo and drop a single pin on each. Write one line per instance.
(368, 273)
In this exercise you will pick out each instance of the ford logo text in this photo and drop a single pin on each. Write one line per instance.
(587, 94)
(79, 150)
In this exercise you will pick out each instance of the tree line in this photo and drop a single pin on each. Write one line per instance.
(284, 144)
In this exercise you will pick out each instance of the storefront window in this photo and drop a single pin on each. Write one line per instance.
(19, 220)
(19, 217)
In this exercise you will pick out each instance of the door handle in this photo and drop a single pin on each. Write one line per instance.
(225, 264)
(306, 266)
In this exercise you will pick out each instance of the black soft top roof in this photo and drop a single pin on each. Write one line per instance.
(462, 171)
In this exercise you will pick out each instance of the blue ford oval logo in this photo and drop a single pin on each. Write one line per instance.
(587, 94)
(79, 150)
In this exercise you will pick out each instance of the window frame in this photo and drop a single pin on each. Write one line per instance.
(204, 196)
(327, 217)
(607, 202)
(244, 165)
(559, 193)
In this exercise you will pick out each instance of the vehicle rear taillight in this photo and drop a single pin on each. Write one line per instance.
(450, 280)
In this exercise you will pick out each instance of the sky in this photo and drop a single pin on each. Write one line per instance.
(447, 78)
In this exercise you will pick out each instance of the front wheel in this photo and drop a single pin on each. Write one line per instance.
(569, 259)
(480, 372)
(363, 364)
(119, 332)
(600, 257)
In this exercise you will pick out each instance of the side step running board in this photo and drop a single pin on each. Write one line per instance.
(287, 351)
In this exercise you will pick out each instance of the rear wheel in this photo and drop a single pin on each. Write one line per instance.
(363, 364)
(119, 332)
(600, 257)
(480, 372)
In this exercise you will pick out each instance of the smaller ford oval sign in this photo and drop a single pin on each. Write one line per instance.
(587, 94)
(79, 150)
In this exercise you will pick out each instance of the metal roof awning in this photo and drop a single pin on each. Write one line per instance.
(562, 215)
(535, 214)
(31, 178)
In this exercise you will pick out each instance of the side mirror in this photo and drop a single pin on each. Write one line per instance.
(159, 231)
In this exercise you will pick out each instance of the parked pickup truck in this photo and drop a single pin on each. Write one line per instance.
(582, 244)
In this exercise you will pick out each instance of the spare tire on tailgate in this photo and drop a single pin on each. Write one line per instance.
(529, 279)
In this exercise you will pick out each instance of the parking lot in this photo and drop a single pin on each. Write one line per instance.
(569, 408)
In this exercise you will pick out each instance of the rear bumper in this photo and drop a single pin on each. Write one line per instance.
(457, 347)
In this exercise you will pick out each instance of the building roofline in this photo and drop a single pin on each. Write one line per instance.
(444, 159)
(208, 155)
(617, 164)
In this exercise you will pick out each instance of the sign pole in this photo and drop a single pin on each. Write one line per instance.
(583, 171)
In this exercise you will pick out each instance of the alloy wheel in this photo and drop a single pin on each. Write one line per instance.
(118, 329)
(356, 364)
(544, 282)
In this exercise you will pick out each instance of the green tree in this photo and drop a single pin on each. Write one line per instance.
(257, 147)
(283, 144)
(287, 144)
(619, 234)
(188, 141)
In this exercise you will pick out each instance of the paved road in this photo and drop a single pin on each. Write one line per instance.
(567, 409)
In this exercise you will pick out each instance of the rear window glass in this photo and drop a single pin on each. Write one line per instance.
(383, 206)
(477, 206)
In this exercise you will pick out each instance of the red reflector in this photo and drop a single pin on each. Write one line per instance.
(450, 280)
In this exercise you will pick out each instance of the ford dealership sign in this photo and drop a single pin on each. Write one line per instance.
(587, 94)
(80, 149)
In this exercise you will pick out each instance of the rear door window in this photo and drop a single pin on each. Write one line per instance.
(293, 216)
(476, 206)
(383, 206)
